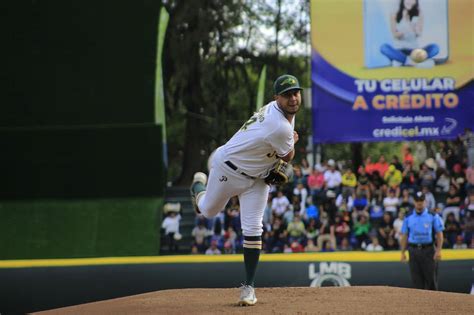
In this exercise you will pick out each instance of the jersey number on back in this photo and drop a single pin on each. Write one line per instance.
(248, 123)
(260, 115)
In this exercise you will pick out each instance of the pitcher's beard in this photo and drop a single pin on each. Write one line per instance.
(287, 112)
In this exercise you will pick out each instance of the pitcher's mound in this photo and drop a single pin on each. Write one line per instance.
(349, 300)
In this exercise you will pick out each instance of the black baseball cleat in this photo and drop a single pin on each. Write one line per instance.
(198, 187)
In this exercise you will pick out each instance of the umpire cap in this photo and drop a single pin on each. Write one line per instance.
(419, 196)
(286, 83)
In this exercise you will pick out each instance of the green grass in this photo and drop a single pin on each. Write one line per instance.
(36, 229)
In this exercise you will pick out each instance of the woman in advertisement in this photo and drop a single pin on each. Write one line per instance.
(406, 25)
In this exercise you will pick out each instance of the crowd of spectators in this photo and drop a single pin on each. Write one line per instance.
(333, 207)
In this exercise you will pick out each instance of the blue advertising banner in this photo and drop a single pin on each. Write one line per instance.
(392, 70)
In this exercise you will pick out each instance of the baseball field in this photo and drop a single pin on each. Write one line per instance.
(327, 300)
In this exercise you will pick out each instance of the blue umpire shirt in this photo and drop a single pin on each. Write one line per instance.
(420, 227)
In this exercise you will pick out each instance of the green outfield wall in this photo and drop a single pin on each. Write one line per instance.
(53, 228)
(81, 191)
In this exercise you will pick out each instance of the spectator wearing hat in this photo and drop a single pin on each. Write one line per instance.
(170, 225)
(330, 205)
(421, 230)
(332, 177)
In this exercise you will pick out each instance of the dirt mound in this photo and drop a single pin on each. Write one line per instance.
(359, 300)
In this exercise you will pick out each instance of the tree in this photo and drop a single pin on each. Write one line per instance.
(213, 53)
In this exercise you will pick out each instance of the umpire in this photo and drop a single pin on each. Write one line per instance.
(420, 228)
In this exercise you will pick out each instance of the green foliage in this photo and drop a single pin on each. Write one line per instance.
(389, 149)
(40, 229)
(343, 151)
(214, 52)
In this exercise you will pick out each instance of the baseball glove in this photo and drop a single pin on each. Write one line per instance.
(281, 173)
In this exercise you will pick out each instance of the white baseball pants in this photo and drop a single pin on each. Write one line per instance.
(224, 183)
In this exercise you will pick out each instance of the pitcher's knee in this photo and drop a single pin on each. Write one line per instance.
(208, 211)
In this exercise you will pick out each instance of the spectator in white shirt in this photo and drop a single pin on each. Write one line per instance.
(280, 204)
(430, 201)
(391, 202)
(213, 250)
(171, 226)
(397, 225)
(302, 192)
(200, 233)
(332, 177)
(345, 201)
(374, 246)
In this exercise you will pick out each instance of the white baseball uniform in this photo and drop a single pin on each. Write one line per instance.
(238, 168)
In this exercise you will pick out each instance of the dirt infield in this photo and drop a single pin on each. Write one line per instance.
(328, 300)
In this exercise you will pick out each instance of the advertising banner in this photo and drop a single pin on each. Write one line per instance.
(392, 70)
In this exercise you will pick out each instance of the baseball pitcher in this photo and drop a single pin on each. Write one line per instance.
(256, 156)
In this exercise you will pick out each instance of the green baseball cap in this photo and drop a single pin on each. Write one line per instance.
(285, 83)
